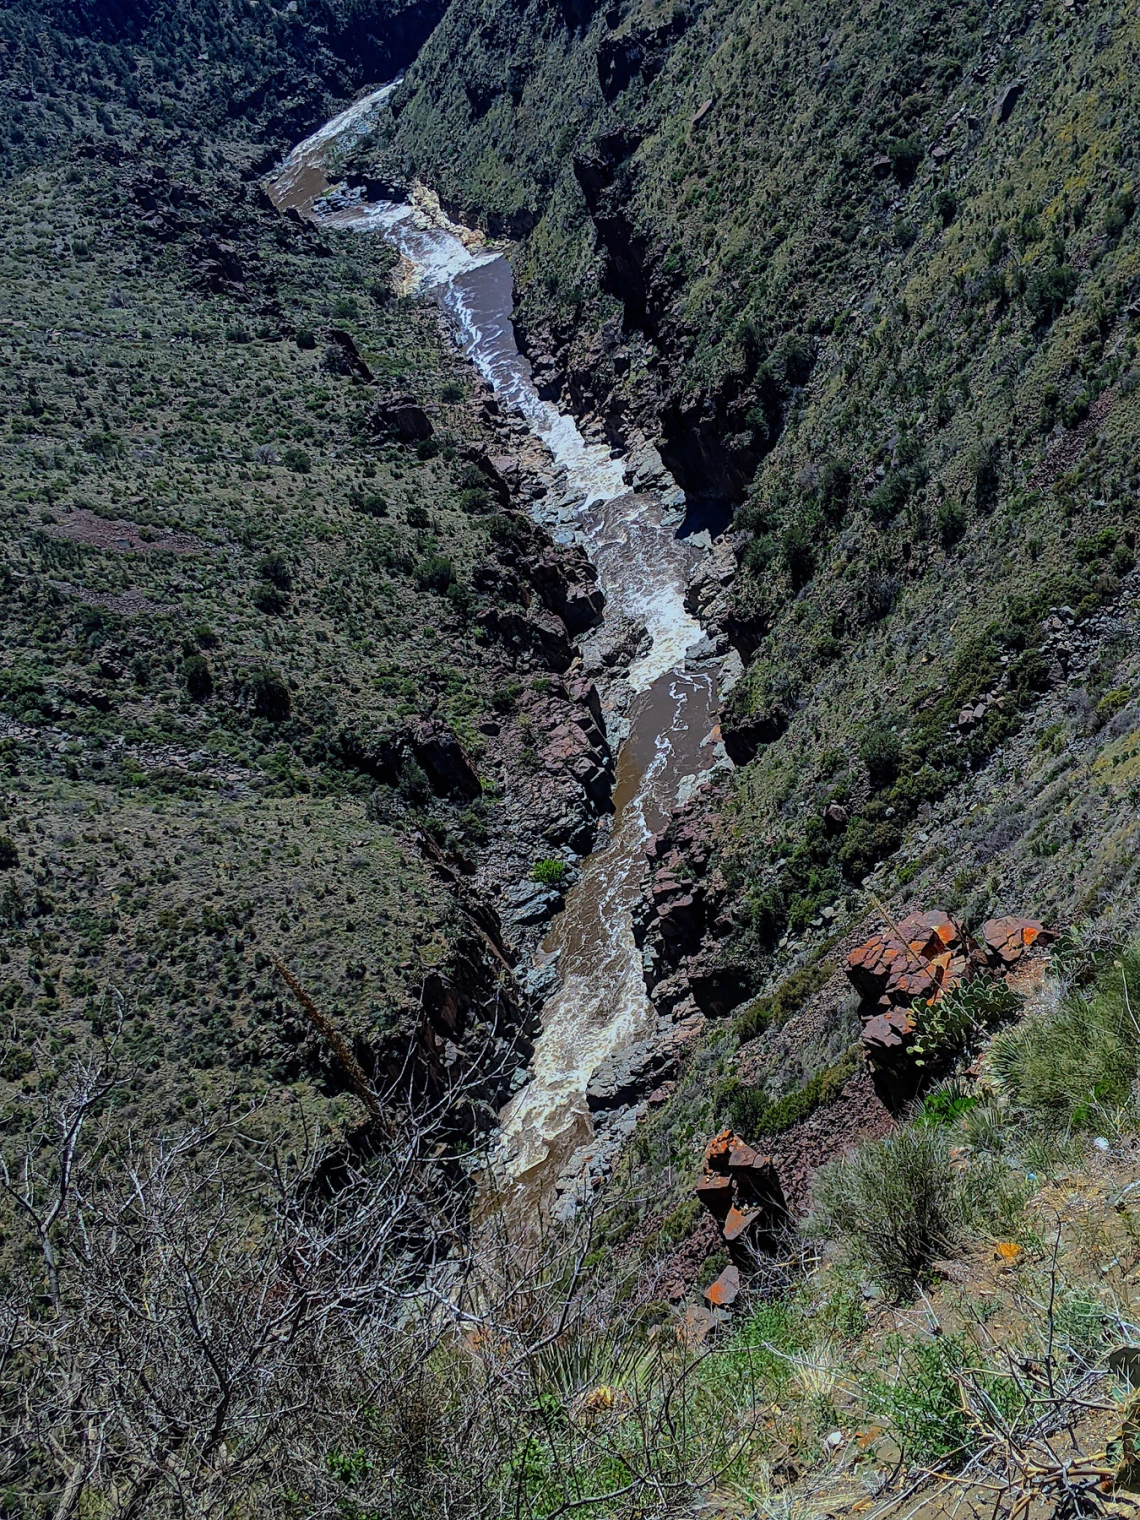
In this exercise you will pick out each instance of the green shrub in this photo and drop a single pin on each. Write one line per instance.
(106, 445)
(923, 1405)
(413, 785)
(834, 489)
(275, 568)
(196, 674)
(946, 1105)
(270, 695)
(774, 1008)
(270, 600)
(880, 750)
(1048, 291)
(296, 460)
(504, 699)
(678, 1225)
(549, 873)
(1063, 1065)
(1113, 702)
(888, 498)
(797, 549)
(435, 572)
(865, 844)
(305, 338)
(946, 207)
(896, 1204)
(905, 154)
(751, 1114)
(9, 855)
(950, 520)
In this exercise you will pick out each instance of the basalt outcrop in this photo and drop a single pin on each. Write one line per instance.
(914, 964)
(740, 1189)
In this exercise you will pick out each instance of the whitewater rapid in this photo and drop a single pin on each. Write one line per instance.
(601, 1005)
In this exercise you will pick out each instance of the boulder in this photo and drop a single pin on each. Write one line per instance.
(1003, 106)
(919, 961)
(744, 737)
(715, 1194)
(835, 818)
(494, 472)
(402, 418)
(568, 584)
(725, 1290)
(532, 904)
(885, 1032)
(445, 761)
(218, 267)
(1007, 939)
(347, 358)
(928, 955)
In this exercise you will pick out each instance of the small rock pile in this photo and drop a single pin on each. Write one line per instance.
(742, 1192)
(918, 961)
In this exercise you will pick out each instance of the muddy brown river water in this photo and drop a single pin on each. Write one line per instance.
(601, 1005)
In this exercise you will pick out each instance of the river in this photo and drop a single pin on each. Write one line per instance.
(601, 1005)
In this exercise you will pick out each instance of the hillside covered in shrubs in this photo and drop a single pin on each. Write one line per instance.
(299, 757)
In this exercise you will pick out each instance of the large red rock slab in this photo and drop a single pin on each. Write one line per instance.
(1007, 939)
(925, 957)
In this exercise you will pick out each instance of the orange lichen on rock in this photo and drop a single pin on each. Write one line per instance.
(1007, 939)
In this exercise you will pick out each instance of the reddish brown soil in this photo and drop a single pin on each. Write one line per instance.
(1067, 450)
(126, 603)
(84, 527)
(857, 1114)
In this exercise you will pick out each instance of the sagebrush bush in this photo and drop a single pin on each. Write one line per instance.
(896, 1203)
(1065, 1064)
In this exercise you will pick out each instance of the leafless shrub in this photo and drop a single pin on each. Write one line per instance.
(208, 1323)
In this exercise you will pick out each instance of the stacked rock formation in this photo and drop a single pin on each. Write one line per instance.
(741, 1190)
(893, 970)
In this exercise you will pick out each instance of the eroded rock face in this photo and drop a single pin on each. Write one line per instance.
(448, 767)
(568, 584)
(530, 631)
(681, 921)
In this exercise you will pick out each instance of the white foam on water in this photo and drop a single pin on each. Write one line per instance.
(340, 132)
(602, 1006)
